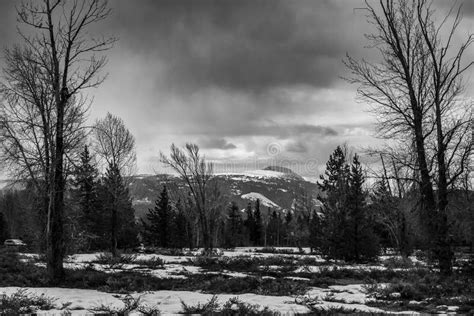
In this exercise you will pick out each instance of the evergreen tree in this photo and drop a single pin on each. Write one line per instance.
(160, 218)
(335, 187)
(250, 223)
(258, 226)
(179, 227)
(89, 206)
(233, 227)
(315, 231)
(362, 243)
(118, 204)
(4, 233)
(273, 231)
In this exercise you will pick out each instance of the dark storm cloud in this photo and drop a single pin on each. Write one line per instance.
(243, 45)
(216, 143)
(266, 128)
(467, 6)
(296, 147)
(8, 32)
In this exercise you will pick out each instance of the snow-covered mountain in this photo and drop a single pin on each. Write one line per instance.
(276, 187)
(264, 201)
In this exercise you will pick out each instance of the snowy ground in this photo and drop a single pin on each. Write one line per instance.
(81, 302)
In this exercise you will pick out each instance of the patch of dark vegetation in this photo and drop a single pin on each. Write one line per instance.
(127, 282)
(28, 275)
(316, 308)
(339, 276)
(417, 286)
(131, 304)
(24, 302)
(115, 262)
(400, 263)
(208, 308)
(285, 251)
(118, 262)
(425, 291)
(233, 306)
(14, 272)
(252, 264)
(151, 263)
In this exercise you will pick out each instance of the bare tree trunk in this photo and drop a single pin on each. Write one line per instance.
(55, 238)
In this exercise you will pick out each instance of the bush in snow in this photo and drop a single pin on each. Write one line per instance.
(208, 308)
(115, 262)
(23, 302)
(131, 304)
(152, 263)
(234, 306)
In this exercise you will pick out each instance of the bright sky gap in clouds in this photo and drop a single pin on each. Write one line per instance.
(251, 82)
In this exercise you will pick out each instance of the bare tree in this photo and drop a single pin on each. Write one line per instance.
(198, 176)
(416, 93)
(116, 146)
(45, 78)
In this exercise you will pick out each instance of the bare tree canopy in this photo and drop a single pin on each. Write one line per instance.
(416, 92)
(115, 144)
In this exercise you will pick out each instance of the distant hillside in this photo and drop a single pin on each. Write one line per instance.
(276, 187)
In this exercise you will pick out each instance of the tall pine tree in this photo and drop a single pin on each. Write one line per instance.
(118, 205)
(157, 230)
(89, 205)
(334, 187)
(4, 232)
(249, 223)
(233, 227)
(362, 243)
(258, 226)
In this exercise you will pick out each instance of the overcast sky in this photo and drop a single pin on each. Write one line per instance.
(251, 82)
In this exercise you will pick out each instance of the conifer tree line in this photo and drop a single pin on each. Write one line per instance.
(348, 220)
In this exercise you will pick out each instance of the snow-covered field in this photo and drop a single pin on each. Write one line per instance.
(83, 301)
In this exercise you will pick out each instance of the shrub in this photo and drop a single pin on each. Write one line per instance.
(208, 308)
(398, 263)
(211, 252)
(115, 262)
(23, 302)
(234, 306)
(131, 304)
(14, 272)
(278, 251)
(315, 308)
(152, 263)
(245, 263)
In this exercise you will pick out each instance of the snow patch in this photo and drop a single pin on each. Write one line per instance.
(253, 196)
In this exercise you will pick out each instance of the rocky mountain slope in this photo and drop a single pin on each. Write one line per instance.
(276, 187)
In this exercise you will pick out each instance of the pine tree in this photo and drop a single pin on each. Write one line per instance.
(258, 227)
(250, 223)
(362, 243)
(273, 230)
(118, 204)
(233, 227)
(160, 218)
(4, 233)
(335, 187)
(178, 235)
(315, 231)
(86, 182)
